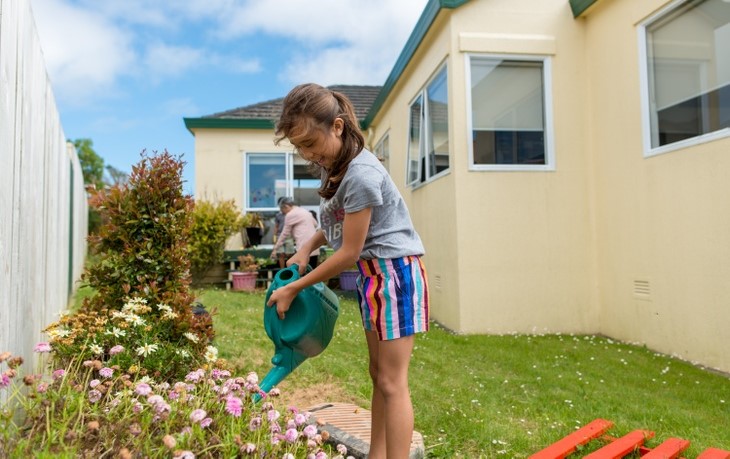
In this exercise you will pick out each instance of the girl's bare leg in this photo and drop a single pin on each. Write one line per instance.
(392, 412)
(377, 422)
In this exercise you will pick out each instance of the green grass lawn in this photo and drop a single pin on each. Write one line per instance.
(497, 396)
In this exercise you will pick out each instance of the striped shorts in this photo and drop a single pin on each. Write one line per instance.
(393, 296)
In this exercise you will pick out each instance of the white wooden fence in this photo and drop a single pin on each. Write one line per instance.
(43, 209)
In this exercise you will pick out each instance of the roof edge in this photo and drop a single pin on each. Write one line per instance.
(227, 123)
(432, 9)
(579, 6)
(233, 123)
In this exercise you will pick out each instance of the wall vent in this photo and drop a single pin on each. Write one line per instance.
(642, 289)
(437, 282)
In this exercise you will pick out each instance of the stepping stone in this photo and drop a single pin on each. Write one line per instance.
(349, 425)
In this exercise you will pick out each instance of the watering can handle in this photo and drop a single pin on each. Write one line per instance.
(296, 268)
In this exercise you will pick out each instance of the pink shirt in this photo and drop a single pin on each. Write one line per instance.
(300, 225)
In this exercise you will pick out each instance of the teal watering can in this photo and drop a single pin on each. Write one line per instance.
(306, 329)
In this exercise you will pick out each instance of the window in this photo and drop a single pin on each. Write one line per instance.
(509, 113)
(270, 176)
(382, 151)
(428, 138)
(687, 73)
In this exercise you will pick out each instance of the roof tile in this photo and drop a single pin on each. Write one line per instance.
(362, 98)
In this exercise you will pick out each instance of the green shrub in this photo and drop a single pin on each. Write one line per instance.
(213, 224)
(141, 274)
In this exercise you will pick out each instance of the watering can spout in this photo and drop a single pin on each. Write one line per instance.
(305, 331)
(285, 361)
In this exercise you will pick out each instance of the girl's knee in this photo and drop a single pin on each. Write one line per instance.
(391, 387)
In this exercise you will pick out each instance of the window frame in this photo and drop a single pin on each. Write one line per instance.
(425, 132)
(645, 91)
(289, 163)
(548, 114)
(384, 154)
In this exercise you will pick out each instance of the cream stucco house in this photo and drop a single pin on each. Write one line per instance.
(566, 162)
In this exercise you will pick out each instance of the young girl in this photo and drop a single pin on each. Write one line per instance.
(364, 218)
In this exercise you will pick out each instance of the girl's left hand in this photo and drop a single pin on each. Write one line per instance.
(282, 297)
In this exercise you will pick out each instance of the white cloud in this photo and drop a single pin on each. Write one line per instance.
(82, 49)
(354, 42)
(90, 45)
(163, 60)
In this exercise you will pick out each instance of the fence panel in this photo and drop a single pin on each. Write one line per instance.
(43, 209)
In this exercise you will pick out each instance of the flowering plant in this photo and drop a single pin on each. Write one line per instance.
(91, 409)
(250, 264)
(138, 338)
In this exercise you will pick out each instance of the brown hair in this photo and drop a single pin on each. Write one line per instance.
(311, 106)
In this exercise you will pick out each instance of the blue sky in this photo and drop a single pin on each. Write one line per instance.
(125, 72)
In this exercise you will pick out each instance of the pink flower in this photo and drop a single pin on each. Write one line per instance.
(106, 372)
(58, 374)
(234, 406)
(4, 381)
(321, 455)
(155, 399)
(42, 387)
(94, 396)
(218, 374)
(206, 422)
(291, 435)
(342, 449)
(42, 347)
(195, 376)
(135, 429)
(143, 389)
(252, 378)
(300, 419)
(184, 455)
(94, 382)
(310, 431)
(273, 415)
(248, 448)
(254, 424)
(288, 456)
(162, 407)
(197, 415)
(116, 350)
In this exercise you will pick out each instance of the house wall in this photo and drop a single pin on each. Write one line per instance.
(219, 170)
(432, 206)
(528, 234)
(662, 224)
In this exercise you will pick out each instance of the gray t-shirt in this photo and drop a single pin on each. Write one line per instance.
(367, 184)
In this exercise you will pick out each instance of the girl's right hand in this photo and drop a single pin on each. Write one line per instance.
(301, 260)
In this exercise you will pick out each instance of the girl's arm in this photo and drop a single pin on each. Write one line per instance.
(354, 231)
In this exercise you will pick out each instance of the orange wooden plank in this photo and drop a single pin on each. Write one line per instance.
(670, 448)
(714, 453)
(621, 446)
(569, 443)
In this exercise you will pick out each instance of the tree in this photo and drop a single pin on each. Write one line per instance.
(92, 165)
(116, 177)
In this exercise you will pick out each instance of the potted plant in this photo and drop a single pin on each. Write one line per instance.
(245, 277)
(348, 279)
(253, 223)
